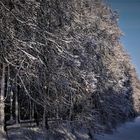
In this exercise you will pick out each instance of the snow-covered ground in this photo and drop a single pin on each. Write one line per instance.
(26, 134)
(128, 131)
(34, 133)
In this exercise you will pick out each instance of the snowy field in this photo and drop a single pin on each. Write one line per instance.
(128, 131)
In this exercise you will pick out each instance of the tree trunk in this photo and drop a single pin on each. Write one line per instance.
(16, 107)
(44, 118)
(2, 105)
(16, 103)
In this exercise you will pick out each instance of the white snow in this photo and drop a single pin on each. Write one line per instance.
(128, 131)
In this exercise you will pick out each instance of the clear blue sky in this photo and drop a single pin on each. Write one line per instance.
(129, 12)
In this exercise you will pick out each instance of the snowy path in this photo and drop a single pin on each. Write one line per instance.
(128, 131)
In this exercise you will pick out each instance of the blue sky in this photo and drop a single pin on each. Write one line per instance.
(129, 12)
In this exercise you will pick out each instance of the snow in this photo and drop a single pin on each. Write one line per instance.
(128, 131)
